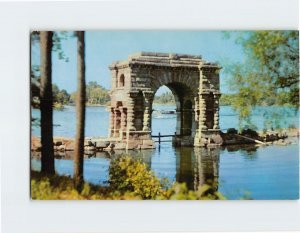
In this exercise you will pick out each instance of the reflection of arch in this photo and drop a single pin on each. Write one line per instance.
(122, 80)
(187, 118)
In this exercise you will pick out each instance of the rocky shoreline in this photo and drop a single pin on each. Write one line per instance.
(231, 137)
(282, 137)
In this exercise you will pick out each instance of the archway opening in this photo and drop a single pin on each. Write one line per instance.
(164, 115)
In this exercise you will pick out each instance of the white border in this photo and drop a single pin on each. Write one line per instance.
(19, 214)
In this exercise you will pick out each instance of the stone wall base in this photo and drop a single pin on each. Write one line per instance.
(183, 141)
(208, 138)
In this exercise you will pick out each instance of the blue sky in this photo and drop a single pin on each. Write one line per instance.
(104, 47)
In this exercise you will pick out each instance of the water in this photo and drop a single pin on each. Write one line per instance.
(97, 120)
(263, 173)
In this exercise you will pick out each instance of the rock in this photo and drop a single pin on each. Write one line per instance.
(217, 139)
(90, 143)
(36, 144)
(89, 148)
(120, 146)
(232, 131)
(250, 133)
(230, 142)
(280, 142)
(147, 147)
(102, 144)
(61, 147)
(69, 145)
(58, 143)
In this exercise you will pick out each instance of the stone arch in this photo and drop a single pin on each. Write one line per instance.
(194, 84)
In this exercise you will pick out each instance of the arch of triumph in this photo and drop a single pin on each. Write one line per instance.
(194, 84)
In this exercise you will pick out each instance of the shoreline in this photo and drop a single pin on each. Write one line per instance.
(284, 137)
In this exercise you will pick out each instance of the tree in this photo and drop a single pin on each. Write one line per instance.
(80, 111)
(60, 96)
(165, 98)
(46, 103)
(269, 73)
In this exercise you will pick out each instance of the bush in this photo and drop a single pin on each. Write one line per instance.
(128, 174)
(179, 191)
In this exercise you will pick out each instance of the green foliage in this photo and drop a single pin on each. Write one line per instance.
(269, 74)
(179, 191)
(226, 99)
(60, 97)
(165, 98)
(63, 188)
(127, 174)
(35, 86)
(95, 94)
(130, 179)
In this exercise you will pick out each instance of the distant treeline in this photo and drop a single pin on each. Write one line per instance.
(165, 98)
(228, 99)
(98, 95)
(95, 95)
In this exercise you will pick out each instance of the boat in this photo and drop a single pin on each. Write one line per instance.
(164, 113)
(168, 112)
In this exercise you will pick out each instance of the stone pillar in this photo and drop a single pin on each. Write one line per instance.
(115, 123)
(111, 122)
(194, 122)
(216, 111)
(123, 119)
(130, 110)
(148, 97)
(114, 74)
(202, 115)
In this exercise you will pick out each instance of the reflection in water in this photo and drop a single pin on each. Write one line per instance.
(207, 167)
(270, 172)
(197, 166)
(193, 166)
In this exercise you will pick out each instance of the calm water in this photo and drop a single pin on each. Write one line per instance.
(250, 172)
(97, 120)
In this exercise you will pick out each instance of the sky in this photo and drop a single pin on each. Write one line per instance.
(104, 47)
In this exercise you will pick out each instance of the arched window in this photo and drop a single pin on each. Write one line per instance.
(121, 80)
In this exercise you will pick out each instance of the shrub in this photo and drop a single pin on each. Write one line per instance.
(128, 174)
(179, 191)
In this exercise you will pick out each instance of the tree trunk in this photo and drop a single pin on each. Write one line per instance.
(46, 103)
(80, 111)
